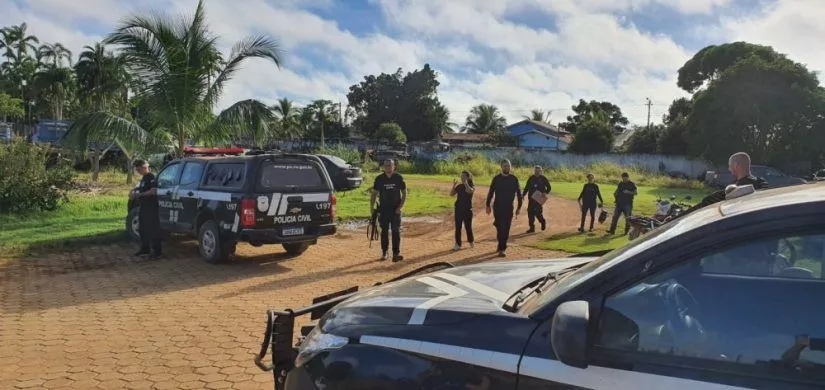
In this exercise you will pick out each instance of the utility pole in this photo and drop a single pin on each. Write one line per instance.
(649, 103)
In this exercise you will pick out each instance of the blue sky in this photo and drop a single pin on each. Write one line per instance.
(516, 54)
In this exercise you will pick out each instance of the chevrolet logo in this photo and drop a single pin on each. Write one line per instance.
(295, 210)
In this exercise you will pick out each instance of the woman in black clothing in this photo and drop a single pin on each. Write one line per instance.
(463, 208)
(587, 201)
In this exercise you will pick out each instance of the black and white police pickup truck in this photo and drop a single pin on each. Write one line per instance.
(284, 199)
(728, 297)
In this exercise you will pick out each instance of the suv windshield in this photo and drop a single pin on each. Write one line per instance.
(291, 176)
(654, 238)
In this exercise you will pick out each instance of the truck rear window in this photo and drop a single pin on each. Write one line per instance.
(291, 176)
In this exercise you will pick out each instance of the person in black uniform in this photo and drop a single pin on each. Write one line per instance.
(463, 208)
(535, 210)
(739, 164)
(391, 191)
(505, 188)
(624, 194)
(587, 201)
(148, 219)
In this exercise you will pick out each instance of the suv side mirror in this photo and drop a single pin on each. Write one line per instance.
(568, 333)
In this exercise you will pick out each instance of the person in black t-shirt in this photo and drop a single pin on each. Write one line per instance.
(536, 183)
(148, 219)
(505, 188)
(587, 200)
(463, 208)
(391, 191)
(624, 194)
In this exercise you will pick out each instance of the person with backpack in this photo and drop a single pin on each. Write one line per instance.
(463, 208)
(587, 201)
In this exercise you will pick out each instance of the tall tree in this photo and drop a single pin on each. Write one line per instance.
(538, 116)
(18, 42)
(54, 54)
(586, 110)
(175, 60)
(409, 100)
(644, 140)
(594, 135)
(748, 97)
(485, 119)
(56, 86)
(287, 114)
(322, 121)
(102, 76)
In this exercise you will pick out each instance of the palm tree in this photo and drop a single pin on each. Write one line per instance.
(56, 86)
(56, 53)
(538, 116)
(175, 60)
(287, 119)
(17, 43)
(484, 119)
(102, 76)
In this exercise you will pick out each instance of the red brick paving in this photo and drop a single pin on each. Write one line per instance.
(98, 318)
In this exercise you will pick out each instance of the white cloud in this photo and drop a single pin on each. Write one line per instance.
(587, 49)
(792, 27)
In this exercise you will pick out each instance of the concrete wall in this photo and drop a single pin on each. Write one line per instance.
(693, 168)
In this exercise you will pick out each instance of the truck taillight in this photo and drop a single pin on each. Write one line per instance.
(332, 201)
(248, 212)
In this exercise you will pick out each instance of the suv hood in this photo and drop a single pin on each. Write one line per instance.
(443, 297)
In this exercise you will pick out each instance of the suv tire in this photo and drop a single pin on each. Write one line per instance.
(296, 248)
(210, 246)
(133, 225)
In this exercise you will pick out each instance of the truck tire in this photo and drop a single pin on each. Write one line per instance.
(133, 225)
(296, 249)
(210, 246)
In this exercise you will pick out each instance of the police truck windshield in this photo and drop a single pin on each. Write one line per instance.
(285, 176)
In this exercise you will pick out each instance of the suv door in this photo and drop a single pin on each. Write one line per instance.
(169, 206)
(187, 192)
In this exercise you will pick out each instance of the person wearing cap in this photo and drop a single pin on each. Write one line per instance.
(536, 183)
(149, 218)
(624, 194)
(505, 188)
(390, 190)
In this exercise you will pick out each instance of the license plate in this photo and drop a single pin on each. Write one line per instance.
(293, 231)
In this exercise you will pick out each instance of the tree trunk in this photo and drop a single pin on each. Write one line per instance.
(129, 170)
(94, 158)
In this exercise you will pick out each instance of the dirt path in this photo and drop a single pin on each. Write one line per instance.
(98, 318)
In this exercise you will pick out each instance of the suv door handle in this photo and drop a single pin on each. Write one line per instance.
(168, 192)
(190, 193)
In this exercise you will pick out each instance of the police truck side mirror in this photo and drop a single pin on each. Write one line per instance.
(568, 333)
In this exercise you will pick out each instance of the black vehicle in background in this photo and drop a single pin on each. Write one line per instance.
(285, 199)
(727, 297)
(344, 175)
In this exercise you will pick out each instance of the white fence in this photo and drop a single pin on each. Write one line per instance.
(691, 167)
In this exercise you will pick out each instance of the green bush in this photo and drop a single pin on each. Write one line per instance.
(26, 184)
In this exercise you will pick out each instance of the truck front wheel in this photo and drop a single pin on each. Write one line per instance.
(133, 225)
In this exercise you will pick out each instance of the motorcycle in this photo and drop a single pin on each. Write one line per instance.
(665, 209)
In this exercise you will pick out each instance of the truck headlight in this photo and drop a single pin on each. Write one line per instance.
(316, 342)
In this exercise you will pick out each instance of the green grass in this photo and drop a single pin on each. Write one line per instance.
(98, 219)
(86, 219)
(644, 204)
(421, 200)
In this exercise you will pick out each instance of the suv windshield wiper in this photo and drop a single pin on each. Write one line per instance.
(535, 286)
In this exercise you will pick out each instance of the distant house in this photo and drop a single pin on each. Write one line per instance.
(537, 135)
(466, 140)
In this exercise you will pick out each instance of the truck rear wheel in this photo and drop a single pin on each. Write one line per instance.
(296, 249)
(210, 246)
(133, 225)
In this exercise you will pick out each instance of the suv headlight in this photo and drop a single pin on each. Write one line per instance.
(316, 342)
